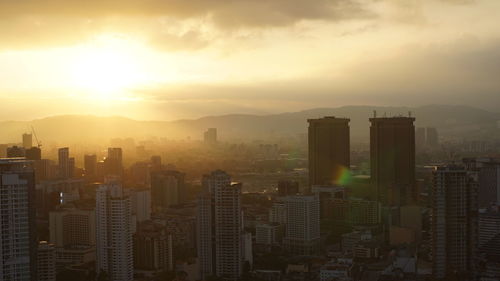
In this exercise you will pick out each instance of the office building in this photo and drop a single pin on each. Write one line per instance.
(220, 227)
(302, 235)
(420, 138)
(18, 237)
(27, 141)
(33, 153)
(269, 234)
(114, 162)
(489, 183)
(325, 193)
(288, 187)
(488, 225)
(277, 213)
(90, 165)
(167, 189)
(46, 262)
(153, 249)
(72, 227)
(114, 232)
(432, 138)
(392, 156)
(141, 204)
(64, 163)
(15, 151)
(210, 136)
(454, 219)
(329, 150)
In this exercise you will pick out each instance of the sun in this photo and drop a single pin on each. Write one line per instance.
(108, 68)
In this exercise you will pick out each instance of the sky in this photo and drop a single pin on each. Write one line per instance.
(171, 59)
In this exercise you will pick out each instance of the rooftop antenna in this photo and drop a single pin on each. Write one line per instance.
(374, 114)
(39, 144)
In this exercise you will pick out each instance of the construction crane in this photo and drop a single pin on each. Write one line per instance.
(39, 144)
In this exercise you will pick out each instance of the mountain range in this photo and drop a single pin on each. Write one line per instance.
(451, 122)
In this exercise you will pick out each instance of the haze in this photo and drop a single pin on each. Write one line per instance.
(173, 59)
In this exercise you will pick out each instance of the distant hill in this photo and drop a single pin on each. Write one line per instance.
(451, 121)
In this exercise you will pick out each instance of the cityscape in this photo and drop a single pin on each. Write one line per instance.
(303, 209)
(249, 140)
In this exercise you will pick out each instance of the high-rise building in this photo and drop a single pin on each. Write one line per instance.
(454, 220)
(114, 233)
(489, 183)
(488, 225)
(288, 187)
(27, 141)
(269, 234)
(71, 227)
(220, 227)
(141, 204)
(277, 213)
(420, 138)
(210, 136)
(46, 262)
(18, 239)
(303, 224)
(432, 139)
(392, 156)
(329, 150)
(155, 162)
(153, 250)
(167, 189)
(114, 161)
(90, 164)
(64, 165)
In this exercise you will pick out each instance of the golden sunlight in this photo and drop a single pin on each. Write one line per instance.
(108, 69)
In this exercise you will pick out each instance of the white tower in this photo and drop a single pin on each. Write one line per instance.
(114, 233)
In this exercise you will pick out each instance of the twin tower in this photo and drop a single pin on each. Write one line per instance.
(392, 155)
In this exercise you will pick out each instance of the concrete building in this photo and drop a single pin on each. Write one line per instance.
(220, 227)
(167, 189)
(303, 224)
(454, 218)
(18, 239)
(114, 162)
(114, 232)
(489, 183)
(432, 138)
(90, 165)
(269, 234)
(153, 248)
(488, 225)
(329, 150)
(210, 136)
(15, 151)
(46, 262)
(339, 269)
(27, 141)
(141, 204)
(392, 156)
(277, 213)
(288, 187)
(63, 163)
(349, 240)
(71, 227)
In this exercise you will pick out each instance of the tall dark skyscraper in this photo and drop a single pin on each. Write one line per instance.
(18, 239)
(329, 149)
(90, 164)
(392, 156)
(453, 222)
(63, 162)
